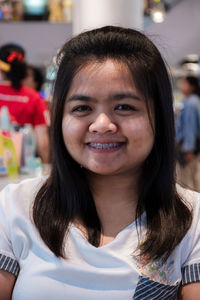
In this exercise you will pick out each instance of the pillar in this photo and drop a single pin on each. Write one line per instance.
(89, 14)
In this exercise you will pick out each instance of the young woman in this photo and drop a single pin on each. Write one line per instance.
(108, 223)
(24, 104)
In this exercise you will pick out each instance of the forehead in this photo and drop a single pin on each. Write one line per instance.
(102, 76)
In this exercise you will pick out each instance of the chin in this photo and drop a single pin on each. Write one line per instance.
(103, 171)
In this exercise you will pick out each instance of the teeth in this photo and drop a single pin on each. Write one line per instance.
(104, 146)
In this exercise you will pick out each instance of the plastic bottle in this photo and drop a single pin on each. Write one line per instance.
(5, 121)
(28, 149)
(8, 159)
(3, 168)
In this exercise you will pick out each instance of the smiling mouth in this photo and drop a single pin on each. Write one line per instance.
(105, 146)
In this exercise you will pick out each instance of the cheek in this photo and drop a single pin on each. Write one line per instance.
(68, 130)
(67, 126)
(73, 132)
(142, 134)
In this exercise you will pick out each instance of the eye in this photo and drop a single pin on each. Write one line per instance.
(81, 108)
(124, 107)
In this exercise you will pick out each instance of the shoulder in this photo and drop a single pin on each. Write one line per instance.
(190, 198)
(18, 198)
(193, 101)
(30, 92)
(190, 245)
(16, 224)
(4, 88)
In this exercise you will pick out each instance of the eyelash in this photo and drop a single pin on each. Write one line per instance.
(81, 108)
(86, 108)
(125, 107)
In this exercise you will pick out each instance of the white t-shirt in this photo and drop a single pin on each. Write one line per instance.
(110, 272)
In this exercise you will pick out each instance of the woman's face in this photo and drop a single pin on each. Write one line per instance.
(105, 123)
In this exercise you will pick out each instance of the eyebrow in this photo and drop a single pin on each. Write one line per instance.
(117, 96)
(79, 97)
(120, 96)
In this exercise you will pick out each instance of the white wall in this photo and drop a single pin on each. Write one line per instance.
(179, 34)
(40, 39)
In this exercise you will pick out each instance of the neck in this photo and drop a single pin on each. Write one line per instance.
(116, 200)
(188, 94)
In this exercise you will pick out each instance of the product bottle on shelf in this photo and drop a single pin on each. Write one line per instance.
(3, 167)
(28, 150)
(5, 121)
(8, 159)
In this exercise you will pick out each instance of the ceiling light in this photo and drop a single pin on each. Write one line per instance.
(158, 14)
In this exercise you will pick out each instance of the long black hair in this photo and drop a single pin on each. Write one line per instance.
(14, 66)
(66, 194)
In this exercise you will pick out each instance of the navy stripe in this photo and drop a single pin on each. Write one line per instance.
(9, 264)
(148, 289)
(191, 273)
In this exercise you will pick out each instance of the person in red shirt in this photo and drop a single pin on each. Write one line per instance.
(24, 104)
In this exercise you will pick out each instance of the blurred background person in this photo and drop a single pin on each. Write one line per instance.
(24, 104)
(188, 134)
(35, 79)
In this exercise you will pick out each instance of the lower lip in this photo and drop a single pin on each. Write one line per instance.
(109, 150)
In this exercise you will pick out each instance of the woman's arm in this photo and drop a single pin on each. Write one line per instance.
(7, 282)
(190, 292)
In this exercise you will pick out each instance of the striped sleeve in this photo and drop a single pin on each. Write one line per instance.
(9, 264)
(191, 273)
(152, 290)
(8, 261)
(190, 248)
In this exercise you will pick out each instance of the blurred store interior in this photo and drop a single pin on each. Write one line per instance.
(42, 26)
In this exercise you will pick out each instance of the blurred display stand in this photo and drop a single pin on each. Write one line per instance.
(36, 10)
(5, 180)
(18, 151)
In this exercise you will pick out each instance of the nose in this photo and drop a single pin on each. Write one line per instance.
(102, 124)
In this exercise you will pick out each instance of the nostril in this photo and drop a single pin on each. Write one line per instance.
(102, 128)
(102, 124)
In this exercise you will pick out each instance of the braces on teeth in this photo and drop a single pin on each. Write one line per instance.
(104, 146)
